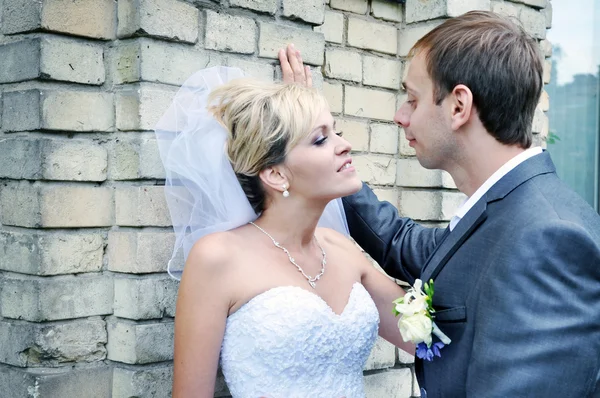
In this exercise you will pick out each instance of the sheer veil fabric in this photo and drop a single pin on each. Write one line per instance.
(201, 189)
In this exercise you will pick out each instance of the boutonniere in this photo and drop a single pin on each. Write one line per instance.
(416, 320)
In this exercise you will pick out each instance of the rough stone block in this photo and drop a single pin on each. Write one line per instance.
(147, 297)
(311, 11)
(356, 132)
(540, 123)
(387, 194)
(139, 252)
(266, 6)
(534, 22)
(411, 34)
(334, 93)
(40, 253)
(230, 33)
(155, 61)
(355, 6)
(157, 18)
(375, 169)
(544, 103)
(141, 206)
(28, 344)
(343, 64)
(393, 383)
(333, 27)
(258, 70)
(59, 297)
(275, 36)
(20, 158)
(364, 102)
(372, 36)
(382, 72)
(140, 107)
(405, 358)
(548, 14)
(383, 355)
(534, 3)
(424, 10)
(412, 174)
(430, 205)
(506, 8)
(386, 10)
(143, 382)
(547, 74)
(55, 206)
(63, 382)
(64, 110)
(546, 48)
(89, 18)
(20, 61)
(384, 138)
(72, 61)
(136, 158)
(135, 343)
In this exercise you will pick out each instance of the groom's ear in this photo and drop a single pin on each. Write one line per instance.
(461, 102)
(274, 178)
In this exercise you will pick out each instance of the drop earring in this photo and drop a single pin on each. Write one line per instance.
(286, 193)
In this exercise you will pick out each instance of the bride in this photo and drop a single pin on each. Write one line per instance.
(286, 307)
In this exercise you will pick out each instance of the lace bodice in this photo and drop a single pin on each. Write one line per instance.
(288, 343)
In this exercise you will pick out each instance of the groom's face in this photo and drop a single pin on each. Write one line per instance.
(425, 124)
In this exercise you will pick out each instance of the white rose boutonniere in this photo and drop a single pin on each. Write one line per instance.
(416, 320)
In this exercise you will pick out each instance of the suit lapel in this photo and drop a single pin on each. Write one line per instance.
(455, 239)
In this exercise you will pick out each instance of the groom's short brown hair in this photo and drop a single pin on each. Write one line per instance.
(499, 62)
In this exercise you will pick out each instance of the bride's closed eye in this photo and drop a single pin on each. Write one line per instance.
(321, 140)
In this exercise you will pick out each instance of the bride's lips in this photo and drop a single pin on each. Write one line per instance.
(346, 166)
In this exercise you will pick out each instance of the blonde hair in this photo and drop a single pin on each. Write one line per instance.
(264, 121)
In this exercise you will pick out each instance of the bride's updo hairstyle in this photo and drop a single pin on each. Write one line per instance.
(264, 122)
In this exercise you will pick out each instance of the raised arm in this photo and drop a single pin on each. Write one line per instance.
(399, 245)
(537, 320)
(202, 308)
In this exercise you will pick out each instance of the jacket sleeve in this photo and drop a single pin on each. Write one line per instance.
(537, 317)
(399, 245)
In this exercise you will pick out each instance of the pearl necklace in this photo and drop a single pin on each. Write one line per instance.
(312, 281)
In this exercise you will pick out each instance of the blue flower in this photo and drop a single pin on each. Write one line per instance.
(427, 353)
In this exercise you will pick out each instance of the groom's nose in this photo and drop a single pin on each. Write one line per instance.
(402, 116)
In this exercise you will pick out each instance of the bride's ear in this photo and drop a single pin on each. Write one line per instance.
(275, 178)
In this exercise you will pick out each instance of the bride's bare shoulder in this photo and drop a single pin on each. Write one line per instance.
(334, 238)
(216, 252)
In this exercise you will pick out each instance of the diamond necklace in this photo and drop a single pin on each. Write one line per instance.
(312, 281)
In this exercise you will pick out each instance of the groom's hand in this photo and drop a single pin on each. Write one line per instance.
(292, 67)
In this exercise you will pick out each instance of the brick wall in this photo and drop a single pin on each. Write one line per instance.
(86, 309)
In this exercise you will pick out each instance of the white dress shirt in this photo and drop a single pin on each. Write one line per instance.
(494, 178)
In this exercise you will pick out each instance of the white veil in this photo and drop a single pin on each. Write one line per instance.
(202, 191)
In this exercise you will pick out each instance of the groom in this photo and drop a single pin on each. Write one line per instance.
(517, 271)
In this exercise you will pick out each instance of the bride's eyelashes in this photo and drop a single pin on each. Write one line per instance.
(321, 140)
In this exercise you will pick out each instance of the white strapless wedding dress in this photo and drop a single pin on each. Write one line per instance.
(288, 343)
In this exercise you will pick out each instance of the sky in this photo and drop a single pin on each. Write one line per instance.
(576, 29)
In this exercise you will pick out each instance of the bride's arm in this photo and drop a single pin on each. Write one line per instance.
(202, 308)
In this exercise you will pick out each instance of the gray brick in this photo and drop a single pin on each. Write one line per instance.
(89, 18)
(134, 343)
(41, 253)
(72, 61)
(30, 344)
(429, 205)
(147, 297)
(135, 158)
(151, 60)
(311, 11)
(382, 72)
(356, 132)
(63, 382)
(266, 6)
(375, 169)
(55, 206)
(363, 102)
(258, 70)
(20, 158)
(372, 36)
(141, 206)
(355, 6)
(534, 3)
(333, 27)
(139, 252)
(20, 61)
(149, 382)
(534, 22)
(39, 299)
(422, 11)
(412, 174)
(384, 138)
(334, 93)
(140, 107)
(343, 64)
(383, 355)
(230, 33)
(393, 383)
(157, 18)
(55, 110)
(411, 34)
(386, 10)
(274, 37)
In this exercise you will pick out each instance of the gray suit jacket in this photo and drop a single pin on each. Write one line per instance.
(517, 286)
